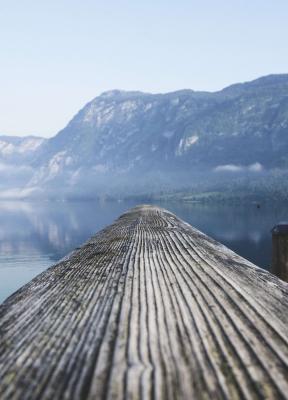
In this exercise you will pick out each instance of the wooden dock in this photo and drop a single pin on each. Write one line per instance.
(149, 308)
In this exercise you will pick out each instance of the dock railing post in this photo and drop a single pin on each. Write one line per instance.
(280, 251)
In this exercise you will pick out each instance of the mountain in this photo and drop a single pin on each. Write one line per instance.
(19, 149)
(15, 163)
(127, 142)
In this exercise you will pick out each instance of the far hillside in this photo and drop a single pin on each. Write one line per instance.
(178, 144)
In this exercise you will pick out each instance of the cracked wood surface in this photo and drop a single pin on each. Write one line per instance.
(148, 308)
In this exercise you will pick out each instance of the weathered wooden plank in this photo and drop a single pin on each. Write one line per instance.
(148, 308)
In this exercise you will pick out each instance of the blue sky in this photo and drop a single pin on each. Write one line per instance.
(57, 55)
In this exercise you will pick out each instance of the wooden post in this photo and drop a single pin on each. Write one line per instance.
(280, 251)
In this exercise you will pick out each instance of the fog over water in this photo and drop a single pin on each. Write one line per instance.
(33, 236)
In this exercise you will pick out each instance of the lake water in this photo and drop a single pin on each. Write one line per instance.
(34, 236)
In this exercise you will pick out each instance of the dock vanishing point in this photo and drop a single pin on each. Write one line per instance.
(148, 308)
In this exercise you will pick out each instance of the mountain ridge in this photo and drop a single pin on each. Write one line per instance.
(133, 141)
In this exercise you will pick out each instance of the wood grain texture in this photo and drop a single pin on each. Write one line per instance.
(149, 308)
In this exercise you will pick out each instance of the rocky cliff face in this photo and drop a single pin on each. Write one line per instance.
(131, 139)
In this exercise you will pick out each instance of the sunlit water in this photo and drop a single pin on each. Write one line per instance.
(34, 236)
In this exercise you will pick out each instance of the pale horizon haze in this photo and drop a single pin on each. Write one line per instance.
(58, 55)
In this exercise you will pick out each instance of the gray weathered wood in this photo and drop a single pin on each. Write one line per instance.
(148, 308)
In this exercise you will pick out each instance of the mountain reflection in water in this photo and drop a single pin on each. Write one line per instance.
(33, 236)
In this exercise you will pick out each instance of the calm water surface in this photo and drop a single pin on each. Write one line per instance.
(34, 236)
